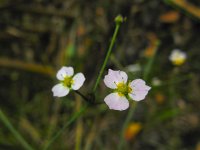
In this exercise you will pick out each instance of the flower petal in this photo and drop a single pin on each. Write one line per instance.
(63, 72)
(78, 81)
(139, 89)
(114, 77)
(116, 102)
(59, 90)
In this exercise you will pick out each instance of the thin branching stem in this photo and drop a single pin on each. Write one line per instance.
(83, 96)
(118, 21)
(88, 100)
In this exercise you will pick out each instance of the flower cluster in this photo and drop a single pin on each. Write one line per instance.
(123, 90)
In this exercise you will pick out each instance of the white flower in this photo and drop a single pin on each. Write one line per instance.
(123, 90)
(177, 57)
(67, 81)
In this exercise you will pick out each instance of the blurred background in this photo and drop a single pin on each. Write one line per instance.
(37, 37)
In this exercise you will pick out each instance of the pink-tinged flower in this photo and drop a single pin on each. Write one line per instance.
(123, 90)
(67, 81)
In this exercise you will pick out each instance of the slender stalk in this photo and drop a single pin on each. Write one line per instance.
(89, 100)
(83, 96)
(71, 120)
(128, 119)
(17, 135)
(118, 21)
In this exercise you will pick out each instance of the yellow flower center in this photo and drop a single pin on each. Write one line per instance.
(178, 61)
(68, 81)
(123, 89)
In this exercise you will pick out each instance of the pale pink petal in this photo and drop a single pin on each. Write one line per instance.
(63, 72)
(109, 82)
(139, 89)
(78, 81)
(116, 102)
(59, 90)
(114, 77)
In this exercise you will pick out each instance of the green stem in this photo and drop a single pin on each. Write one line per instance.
(17, 135)
(83, 96)
(128, 119)
(89, 100)
(71, 120)
(118, 21)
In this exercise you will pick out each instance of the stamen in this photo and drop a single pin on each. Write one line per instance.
(68, 81)
(122, 88)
